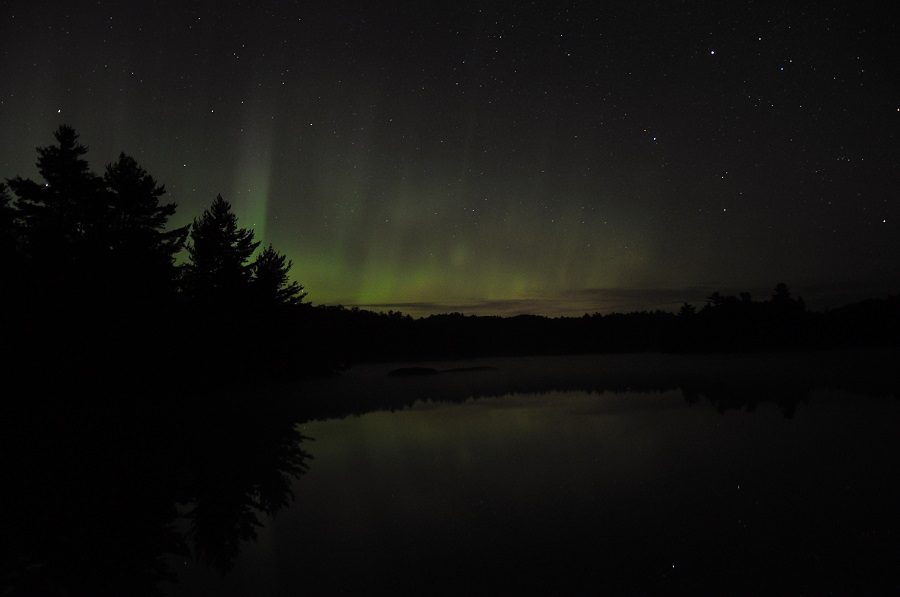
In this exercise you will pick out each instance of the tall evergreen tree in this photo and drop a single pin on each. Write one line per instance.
(783, 301)
(218, 270)
(8, 227)
(98, 262)
(64, 219)
(781, 294)
(271, 281)
(145, 251)
(10, 265)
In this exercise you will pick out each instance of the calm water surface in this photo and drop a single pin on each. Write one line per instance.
(645, 474)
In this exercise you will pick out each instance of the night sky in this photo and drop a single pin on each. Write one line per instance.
(550, 158)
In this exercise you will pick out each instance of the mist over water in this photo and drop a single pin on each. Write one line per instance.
(697, 479)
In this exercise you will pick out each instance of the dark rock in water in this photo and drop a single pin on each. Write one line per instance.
(413, 371)
(465, 369)
(419, 371)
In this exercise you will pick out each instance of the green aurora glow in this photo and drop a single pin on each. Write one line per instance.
(488, 161)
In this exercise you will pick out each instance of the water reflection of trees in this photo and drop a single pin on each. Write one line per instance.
(100, 501)
(726, 397)
(242, 466)
(723, 396)
(727, 383)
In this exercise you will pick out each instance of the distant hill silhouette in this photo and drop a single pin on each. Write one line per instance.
(724, 324)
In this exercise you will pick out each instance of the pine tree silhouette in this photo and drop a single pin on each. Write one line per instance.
(144, 250)
(781, 294)
(218, 270)
(271, 283)
(8, 228)
(10, 264)
(64, 222)
(97, 277)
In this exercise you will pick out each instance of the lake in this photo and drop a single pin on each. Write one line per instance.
(608, 474)
(612, 474)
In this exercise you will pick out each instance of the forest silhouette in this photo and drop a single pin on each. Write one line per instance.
(98, 285)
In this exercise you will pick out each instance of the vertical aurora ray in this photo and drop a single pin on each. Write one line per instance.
(252, 176)
(458, 156)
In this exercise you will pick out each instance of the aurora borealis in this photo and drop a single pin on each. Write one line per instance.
(554, 158)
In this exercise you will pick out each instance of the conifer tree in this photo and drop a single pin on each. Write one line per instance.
(271, 282)
(10, 264)
(64, 219)
(218, 270)
(145, 251)
(8, 227)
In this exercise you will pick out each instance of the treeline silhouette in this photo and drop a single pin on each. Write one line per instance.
(723, 324)
(93, 286)
(98, 285)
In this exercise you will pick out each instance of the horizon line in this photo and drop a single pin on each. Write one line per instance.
(588, 301)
